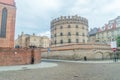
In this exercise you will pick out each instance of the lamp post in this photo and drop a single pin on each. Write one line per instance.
(114, 48)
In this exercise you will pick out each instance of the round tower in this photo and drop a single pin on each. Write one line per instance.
(67, 30)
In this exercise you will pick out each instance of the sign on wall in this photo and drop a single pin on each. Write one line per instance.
(113, 44)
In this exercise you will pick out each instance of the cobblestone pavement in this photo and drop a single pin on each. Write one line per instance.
(67, 71)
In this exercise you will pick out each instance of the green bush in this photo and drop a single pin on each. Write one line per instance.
(118, 41)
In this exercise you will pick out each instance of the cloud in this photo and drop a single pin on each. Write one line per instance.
(97, 12)
(35, 15)
(113, 7)
(37, 7)
(31, 12)
(47, 33)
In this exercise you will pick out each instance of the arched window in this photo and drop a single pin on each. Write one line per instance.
(83, 34)
(61, 41)
(69, 26)
(83, 41)
(54, 35)
(61, 27)
(3, 23)
(77, 40)
(61, 34)
(82, 27)
(69, 40)
(76, 26)
(69, 34)
(55, 41)
(77, 33)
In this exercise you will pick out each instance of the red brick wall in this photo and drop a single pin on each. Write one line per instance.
(11, 2)
(36, 56)
(19, 56)
(10, 27)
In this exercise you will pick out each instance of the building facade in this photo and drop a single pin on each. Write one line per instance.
(69, 30)
(109, 32)
(26, 40)
(92, 35)
(7, 23)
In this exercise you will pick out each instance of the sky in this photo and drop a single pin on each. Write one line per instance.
(34, 16)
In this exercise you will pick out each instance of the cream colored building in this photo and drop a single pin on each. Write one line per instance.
(26, 40)
(109, 32)
(69, 30)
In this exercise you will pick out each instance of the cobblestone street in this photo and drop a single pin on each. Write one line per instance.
(67, 71)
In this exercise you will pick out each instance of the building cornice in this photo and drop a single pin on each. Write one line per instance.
(8, 4)
(109, 30)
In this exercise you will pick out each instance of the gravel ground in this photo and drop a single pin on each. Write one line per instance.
(67, 71)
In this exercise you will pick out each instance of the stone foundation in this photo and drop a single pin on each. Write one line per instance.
(19, 56)
(79, 52)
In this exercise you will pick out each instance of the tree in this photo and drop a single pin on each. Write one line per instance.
(118, 41)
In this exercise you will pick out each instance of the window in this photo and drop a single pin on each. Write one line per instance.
(55, 35)
(83, 41)
(55, 41)
(55, 28)
(76, 26)
(61, 41)
(77, 40)
(3, 23)
(83, 34)
(77, 33)
(61, 34)
(83, 27)
(61, 27)
(69, 34)
(69, 40)
(69, 26)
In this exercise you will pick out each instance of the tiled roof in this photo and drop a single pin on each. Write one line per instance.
(111, 25)
(10, 2)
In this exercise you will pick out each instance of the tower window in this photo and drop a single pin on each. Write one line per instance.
(3, 23)
(69, 34)
(76, 26)
(77, 40)
(83, 27)
(55, 35)
(55, 28)
(69, 40)
(83, 34)
(61, 27)
(69, 26)
(77, 33)
(61, 41)
(83, 41)
(55, 41)
(61, 34)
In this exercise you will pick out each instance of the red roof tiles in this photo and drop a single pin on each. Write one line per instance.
(10, 2)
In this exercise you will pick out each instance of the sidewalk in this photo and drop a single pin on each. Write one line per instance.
(27, 67)
(104, 61)
(47, 63)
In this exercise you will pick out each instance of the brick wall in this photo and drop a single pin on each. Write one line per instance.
(8, 41)
(19, 56)
(11, 2)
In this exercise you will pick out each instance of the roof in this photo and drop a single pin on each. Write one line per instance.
(10, 2)
(93, 31)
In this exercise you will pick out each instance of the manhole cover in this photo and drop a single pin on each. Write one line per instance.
(76, 76)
